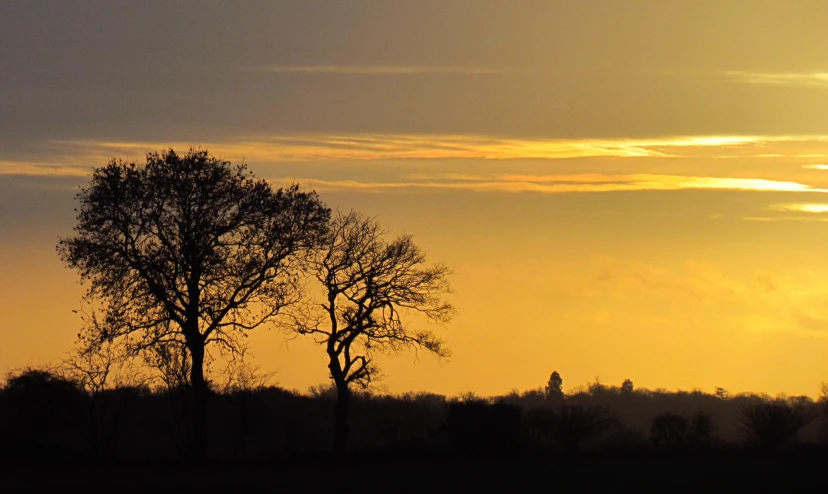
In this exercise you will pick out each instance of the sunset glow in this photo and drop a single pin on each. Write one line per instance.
(620, 189)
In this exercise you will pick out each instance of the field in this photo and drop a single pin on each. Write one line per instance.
(717, 472)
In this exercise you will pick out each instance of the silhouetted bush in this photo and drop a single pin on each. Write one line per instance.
(575, 424)
(675, 432)
(44, 413)
(773, 425)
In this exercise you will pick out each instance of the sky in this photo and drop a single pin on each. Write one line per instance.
(623, 189)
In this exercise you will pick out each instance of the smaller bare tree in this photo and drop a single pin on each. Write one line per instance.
(368, 284)
(106, 371)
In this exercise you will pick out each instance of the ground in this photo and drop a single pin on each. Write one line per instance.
(719, 472)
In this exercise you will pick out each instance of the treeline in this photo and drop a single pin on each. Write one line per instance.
(48, 416)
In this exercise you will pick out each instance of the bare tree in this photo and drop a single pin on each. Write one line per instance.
(110, 378)
(189, 251)
(369, 284)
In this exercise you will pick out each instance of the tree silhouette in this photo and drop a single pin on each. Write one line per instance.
(554, 388)
(368, 284)
(627, 386)
(676, 431)
(186, 251)
(111, 382)
(774, 424)
(575, 424)
(40, 405)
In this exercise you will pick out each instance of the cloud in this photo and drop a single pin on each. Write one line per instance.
(812, 79)
(375, 70)
(41, 170)
(765, 301)
(816, 167)
(700, 282)
(557, 184)
(802, 207)
(75, 157)
(810, 320)
(317, 147)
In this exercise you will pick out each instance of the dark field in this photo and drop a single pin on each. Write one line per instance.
(714, 472)
(54, 436)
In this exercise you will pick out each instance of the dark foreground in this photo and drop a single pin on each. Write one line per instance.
(741, 471)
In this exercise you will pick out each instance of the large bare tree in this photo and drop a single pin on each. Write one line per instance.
(368, 284)
(188, 251)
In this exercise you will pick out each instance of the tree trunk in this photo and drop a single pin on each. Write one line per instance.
(202, 394)
(343, 397)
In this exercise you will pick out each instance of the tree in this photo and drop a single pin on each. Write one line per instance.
(676, 431)
(627, 387)
(112, 383)
(188, 251)
(554, 388)
(774, 424)
(368, 285)
(575, 424)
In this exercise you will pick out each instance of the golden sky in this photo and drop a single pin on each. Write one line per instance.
(623, 189)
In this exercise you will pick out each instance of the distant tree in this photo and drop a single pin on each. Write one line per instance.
(674, 431)
(722, 393)
(368, 284)
(627, 387)
(575, 424)
(554, 387)
(597, 389)
(774, 424)
(822, 403)
(188, 251)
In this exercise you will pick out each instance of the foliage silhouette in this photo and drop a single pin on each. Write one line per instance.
(369, 285)
(188, 251)
(554, 388)
(575, 424)
(43, 415)
(674, 431)
(774, 424)
(42, 408)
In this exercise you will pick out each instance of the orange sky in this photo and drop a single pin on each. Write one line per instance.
(623, 189)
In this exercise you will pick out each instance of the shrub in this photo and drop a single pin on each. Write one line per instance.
(673, 431)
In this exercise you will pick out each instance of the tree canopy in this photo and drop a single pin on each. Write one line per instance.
(188, 251)
(368, 284)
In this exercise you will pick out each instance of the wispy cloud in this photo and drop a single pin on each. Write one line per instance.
(317, 147)
(769, 301)
(802, 207)
(41, 170)
(816, 167)
(817, 79)
(557, 184)
(375, 69)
